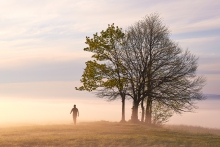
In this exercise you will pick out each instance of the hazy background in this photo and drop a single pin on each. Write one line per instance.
(42, 57)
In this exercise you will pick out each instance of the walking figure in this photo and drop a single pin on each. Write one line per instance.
(75, 111)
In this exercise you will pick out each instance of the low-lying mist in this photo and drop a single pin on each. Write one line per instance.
(32, 111)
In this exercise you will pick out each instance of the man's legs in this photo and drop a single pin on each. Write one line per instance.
(74, 119)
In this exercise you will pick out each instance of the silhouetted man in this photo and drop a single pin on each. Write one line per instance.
(75, 111)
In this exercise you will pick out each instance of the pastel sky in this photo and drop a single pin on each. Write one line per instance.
(41, 42)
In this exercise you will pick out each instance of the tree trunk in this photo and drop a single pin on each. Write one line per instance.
(142, 110)
(123, 109)
(148, 111)
(134, 116)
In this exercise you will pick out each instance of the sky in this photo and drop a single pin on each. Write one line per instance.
(42, 42)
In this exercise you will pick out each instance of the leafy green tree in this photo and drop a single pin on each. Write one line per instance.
(104, 73)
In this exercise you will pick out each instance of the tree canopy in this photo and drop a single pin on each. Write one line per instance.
(144, 64)
(107, 74)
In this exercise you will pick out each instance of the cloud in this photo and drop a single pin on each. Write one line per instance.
(190, 16)
(89, 16)
(209, 65)
(49, 89)
(47, 20)
(212, 84)
(202, 25)
(202, 46)
(14, 56)
(43, 40)
(69, 70)
(207, 34)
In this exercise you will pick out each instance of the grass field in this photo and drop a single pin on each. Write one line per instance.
(104, 134)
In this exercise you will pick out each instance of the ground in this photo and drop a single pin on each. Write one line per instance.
(108, 134)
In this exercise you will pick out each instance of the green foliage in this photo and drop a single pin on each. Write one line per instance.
(92, 77)
(104, 47)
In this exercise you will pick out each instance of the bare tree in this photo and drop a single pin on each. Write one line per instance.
(158, 69)
(160, 113)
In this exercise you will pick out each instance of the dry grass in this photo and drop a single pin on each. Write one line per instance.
(95, 134)
(193, 129)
